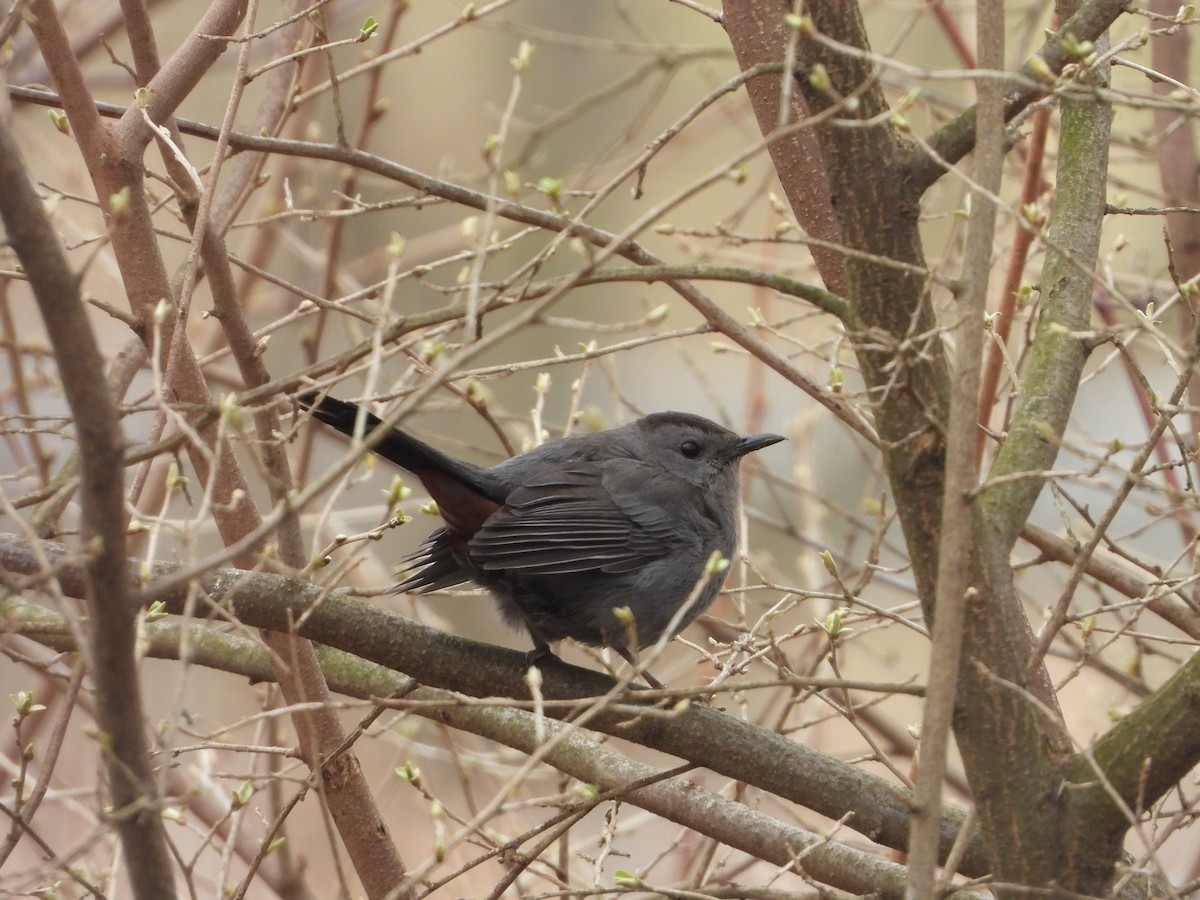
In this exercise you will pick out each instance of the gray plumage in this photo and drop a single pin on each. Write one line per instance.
(564, 533)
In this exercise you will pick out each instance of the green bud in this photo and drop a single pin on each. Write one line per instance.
(623, 615)
(628, 880)
(818, 77)
(716, 565)
(59, 120)
(118, 203)
(659, 314)
(410, 773)
(829, 563)
(520, 62)
(242, 794)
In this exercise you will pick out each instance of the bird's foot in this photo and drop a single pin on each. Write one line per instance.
(646, 676)
(539, 652)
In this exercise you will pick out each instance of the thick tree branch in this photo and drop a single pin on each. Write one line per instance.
(574, 754)
(1059, 351)
(759, 36)
(179, 76)
(900, 352)
(1143, 757)
(112, 615)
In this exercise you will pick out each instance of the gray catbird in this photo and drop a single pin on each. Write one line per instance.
(563, 534)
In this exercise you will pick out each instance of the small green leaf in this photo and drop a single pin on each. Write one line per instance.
(410, 773)
(833, 625)
(803, 25)
(551, 187)
(829, 563)
(1041, 69)
(397, 491)
(162, 309)
(242, 794)
(1075, 48)
(233, 415)
(624, 879)
(491, 144)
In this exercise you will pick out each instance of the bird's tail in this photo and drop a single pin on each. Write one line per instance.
(403, 449)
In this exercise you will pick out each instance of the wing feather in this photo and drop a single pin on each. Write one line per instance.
(581, 517)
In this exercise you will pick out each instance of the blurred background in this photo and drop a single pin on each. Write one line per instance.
(553, 105)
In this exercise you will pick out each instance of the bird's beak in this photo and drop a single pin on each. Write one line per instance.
(752, 442)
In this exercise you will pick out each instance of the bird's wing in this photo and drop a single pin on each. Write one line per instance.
(580, 517)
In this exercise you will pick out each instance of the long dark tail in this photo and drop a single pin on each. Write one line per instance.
(431, 465)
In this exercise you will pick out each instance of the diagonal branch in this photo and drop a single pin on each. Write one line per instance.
(112, 658)
(1144, 756)
(1059, 351)
(954, 140)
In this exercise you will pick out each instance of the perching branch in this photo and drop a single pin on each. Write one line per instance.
(576, 754)
(704, 736)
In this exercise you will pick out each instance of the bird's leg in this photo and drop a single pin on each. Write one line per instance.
(646, 676)
(541, 650)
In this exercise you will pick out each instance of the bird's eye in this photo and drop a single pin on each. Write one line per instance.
(690, 449)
